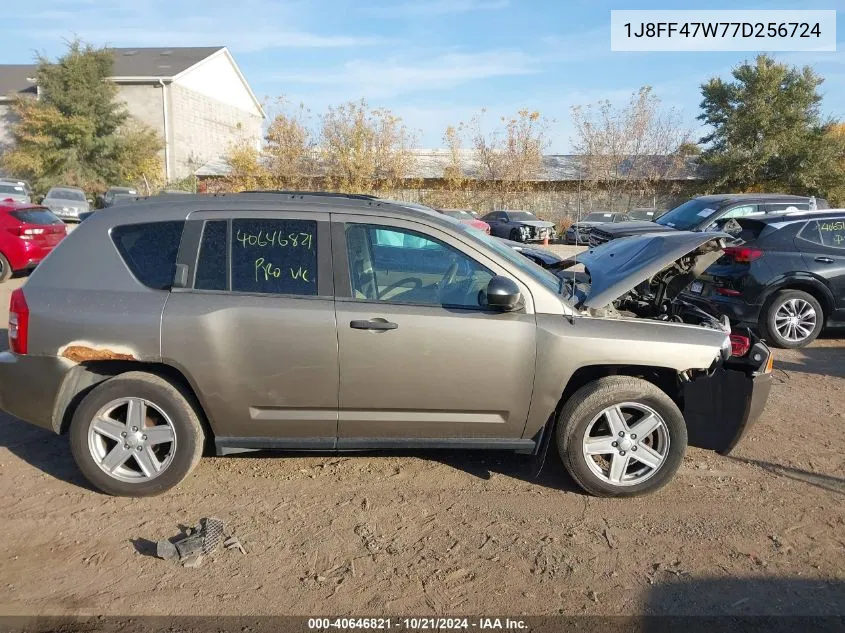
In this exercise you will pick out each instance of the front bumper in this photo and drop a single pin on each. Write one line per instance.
(68, 216)
(538, 235)
(29, 386)
(721, 408)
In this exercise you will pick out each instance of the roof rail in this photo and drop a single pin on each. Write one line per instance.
(326, 194)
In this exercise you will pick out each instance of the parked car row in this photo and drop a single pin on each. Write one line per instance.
(707, 213)
(782, 272)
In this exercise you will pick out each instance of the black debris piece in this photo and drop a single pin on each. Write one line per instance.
(193, 544)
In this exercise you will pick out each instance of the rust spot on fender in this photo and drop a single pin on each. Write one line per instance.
(81, 353)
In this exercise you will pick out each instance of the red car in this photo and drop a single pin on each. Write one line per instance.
(465, 217)
(28, 233)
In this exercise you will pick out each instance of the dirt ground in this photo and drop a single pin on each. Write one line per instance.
(759, 532)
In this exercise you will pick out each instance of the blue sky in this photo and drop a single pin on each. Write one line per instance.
(432, 62)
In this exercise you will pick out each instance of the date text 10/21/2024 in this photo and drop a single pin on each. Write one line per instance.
(418, 623)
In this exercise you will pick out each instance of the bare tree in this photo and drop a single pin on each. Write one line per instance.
(632, 149)
(364, 149)
(512, 153)
(289, 149)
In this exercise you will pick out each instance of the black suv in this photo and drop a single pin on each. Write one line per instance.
(705, 213)
(786, 276)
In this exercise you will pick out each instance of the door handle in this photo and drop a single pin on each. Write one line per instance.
(824, 260)
(373, 325)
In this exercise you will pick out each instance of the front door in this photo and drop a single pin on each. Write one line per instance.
(420, 357)
(255, 327)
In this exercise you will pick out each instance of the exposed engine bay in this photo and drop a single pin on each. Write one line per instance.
(657, 297)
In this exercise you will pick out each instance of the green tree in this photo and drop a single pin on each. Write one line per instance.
(77, 132)
(767, 132)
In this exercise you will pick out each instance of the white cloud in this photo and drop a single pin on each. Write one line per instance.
(379, 79)
(245, 26)
(435, 7)
(237, 39)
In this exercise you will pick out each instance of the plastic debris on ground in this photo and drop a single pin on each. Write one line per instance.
(193, 544)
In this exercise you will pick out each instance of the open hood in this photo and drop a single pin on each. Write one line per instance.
(542, 224)
(617, 267)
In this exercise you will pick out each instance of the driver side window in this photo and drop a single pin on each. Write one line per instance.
(403, 266)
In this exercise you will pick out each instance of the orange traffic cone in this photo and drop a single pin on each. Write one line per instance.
(545, 241)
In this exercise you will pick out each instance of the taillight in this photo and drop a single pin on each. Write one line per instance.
(18, 322)
(739, 345)
(24, 233)
(728, 292)
(743, 254)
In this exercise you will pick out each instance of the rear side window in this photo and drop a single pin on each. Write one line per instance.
(274, 256)
(35, 216)
(150, 250)
(211, 264)
(780, 207)
(830, 233)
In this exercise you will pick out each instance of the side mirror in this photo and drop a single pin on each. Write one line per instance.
(503, 294)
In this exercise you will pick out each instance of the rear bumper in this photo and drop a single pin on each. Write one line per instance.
(28, 256)
(29, 386)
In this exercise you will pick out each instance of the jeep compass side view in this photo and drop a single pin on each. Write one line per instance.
(328, 322)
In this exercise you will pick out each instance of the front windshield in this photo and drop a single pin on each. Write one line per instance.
(598, 217)
(640, 214)
(66, 194)
(13, 189)
(522, 216)
(690, 216)
(524, 264)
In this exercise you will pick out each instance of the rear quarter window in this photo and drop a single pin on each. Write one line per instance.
(830, 233)
(149, 251)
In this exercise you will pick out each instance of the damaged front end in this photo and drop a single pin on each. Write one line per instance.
(642, 277)
(722, 403)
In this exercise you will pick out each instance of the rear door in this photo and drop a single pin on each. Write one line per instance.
(415, 344)
(822, 246)
(254, 326)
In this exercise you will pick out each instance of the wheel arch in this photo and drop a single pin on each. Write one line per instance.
(85, 376)
(665, 378)
(811, 286)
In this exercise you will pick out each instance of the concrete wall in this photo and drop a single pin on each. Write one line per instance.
(6, 121)
(201, 128)
(204, 128)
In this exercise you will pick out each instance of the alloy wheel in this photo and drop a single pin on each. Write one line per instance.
(795, 320)
(132, 440)
(626, 444)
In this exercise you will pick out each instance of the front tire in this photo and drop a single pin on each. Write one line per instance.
(621, 436)
(136, 435)
(792, 319)
(515, 235)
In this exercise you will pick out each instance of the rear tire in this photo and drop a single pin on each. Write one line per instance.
(128, 454)
(603, 453)
(5, 268)
(792, 318)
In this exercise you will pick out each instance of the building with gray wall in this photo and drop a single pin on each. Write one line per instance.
(196, 99)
